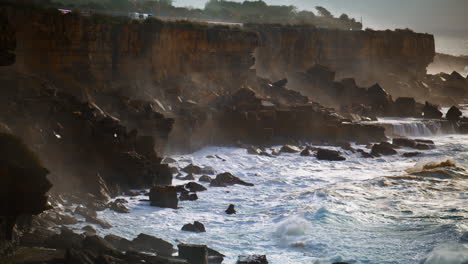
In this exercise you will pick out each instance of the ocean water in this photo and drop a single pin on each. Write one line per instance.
(302, 210)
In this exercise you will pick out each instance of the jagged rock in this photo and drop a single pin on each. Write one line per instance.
(306, 153)
(85, 212)
(188, 177)
(215, 257)
(405, 107)
(231, 210)
(431, 111)
(383, 148)
(195, 187)
(37, 238)
(194, 254)
(205, 178)
(89, 229)
(364, 154)
(227, 179)
(186, 196)
(289, 149)
(168, 160)
(196, 227)
(253, 150)
(453, 114)
(66, 239)
(254, 259)
(331, 155)
(119, 243)
(192, 169)
(99, 245)
(94, 220)
(164, 196)
(118, 207)
(149, 243)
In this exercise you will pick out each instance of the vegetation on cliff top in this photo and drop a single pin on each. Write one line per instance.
(215, 10)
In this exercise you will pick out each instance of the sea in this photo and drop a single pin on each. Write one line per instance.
(302, 210)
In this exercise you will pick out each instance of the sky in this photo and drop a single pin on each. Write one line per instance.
(447, 19)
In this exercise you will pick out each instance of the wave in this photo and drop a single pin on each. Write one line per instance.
(448, 254)
(446, 169)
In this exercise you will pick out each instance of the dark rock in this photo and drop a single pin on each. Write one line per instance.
(205, 178)
(194, 254)
(118, 207)
(66, 239)
(231, 210)
(425, 141)
(364, 154)
(254, 150)
(89, 229)
(188, 177)
(99, 246)
(196, 227)
(164, 196)
(152, 244)
(306, 153)
(254, 259)
(36, 238)
(331, 155)
(105, 259)
(97, 221)
(215, 257)
(383, 148)
(192, 169)
(137, 257)
(432, 111)
(132, 193)
(405, 107)
(85, 212)
(119, 243)
(420, 146)
(121, 200)
(168, 160)
(404, 142)
(453, 114)
(77, 256)
(195, 187)
(289, 149)
(186, 196)
(227, 179)
(411, 154)
(174, 170)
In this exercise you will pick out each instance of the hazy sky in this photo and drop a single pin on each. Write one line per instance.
(421, 15)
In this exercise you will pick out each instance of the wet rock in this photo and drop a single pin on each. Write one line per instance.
(208, 171)
(431, 111)
(186, 196)
(383, 148)
(168, 160)
(149, 243)
(330, 155)
(66, 239)
(132, 193)
(121, 200)
(254, 150)
(75, 255)
(454, 114)
(36, 238)
(405, 107)
(289, 149)
(411, 154)
(119, 243)
(192, 169)
(231, 210)
(195, 187)
(196, 227)
(365, 154)
(306, 153)
(188, 177)
(94, 220)
(174, 170)
(164, 196)
(420, 146)
(404, 142)
(194, 254)
(215, 257)
(99, 245)
(118, 207)
(85, 212)
(105, 259)
(205, 178)
(227, 179)
(253, 259)
(89, 229)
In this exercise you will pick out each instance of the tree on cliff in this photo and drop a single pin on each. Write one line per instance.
(322, 11)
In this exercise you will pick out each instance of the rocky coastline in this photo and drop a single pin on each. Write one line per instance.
(88, 112)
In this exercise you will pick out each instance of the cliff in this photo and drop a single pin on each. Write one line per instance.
(368, 56)
(85, 55)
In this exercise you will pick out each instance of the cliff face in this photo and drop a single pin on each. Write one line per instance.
(367, 56)
(167, 59)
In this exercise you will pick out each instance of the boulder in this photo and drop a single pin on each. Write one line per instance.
(215, 257)
(188, 177)
(94, 220)
(405, 107)
(195, 187)
(254, 150)
(365, 154)
(306, 153)
(66, 239)
(253, 259)
(331, 155)
(431, 111)
(404, 142)
(231, 210)
(453, 114)
(119, 243)
(99, 246)
(194, 254)
(192, 169)
(227, 179)
(383, 148)
(164, 196)
(289, 149)
(205, 178)
(149, 243)
(196, 227)
(208, 171)
(118, 207)
(85, 212)
(168, 160)
(186, 196)
(89, 229)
